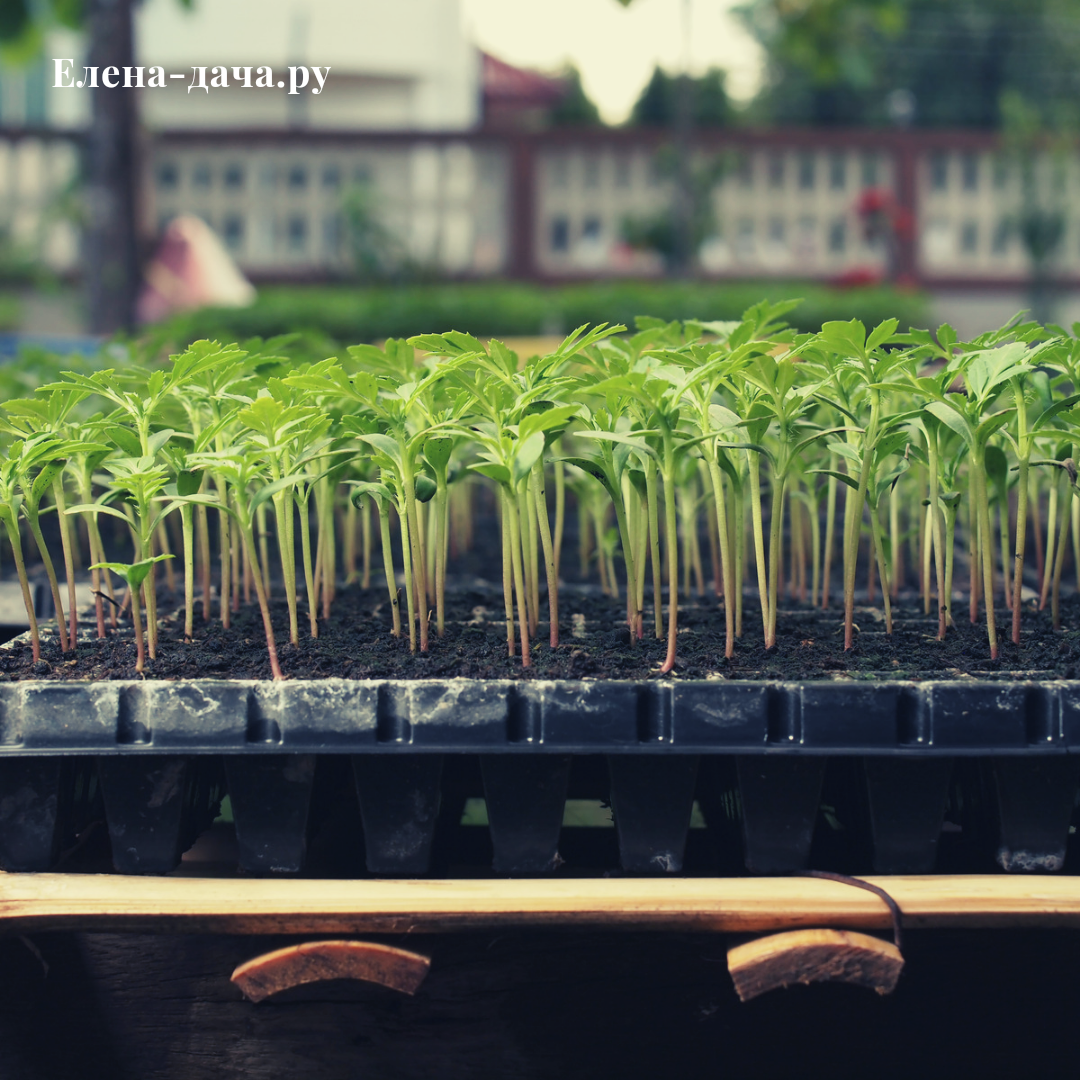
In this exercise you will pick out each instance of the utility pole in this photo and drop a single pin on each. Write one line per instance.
(111, 170)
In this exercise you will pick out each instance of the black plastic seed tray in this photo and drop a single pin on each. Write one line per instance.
(755, 757)
(339, 716)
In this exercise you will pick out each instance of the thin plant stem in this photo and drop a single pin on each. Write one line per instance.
(69, 558)
(136, 618)
(187, 524)
(654, 545)
(830, 531)
(986, 548)
(883, 569)
(759, 539)
(11, 527)
(388, 570)
(519, 578)
(536, 479)
(507, 571)
(1059, 564)
(43, 551)
(309, 570)
(560, 515)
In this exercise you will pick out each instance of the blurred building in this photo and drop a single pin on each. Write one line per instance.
(451, 155)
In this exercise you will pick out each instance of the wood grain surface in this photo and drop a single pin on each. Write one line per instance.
(777, 961)
(323, 961)
(740, 905)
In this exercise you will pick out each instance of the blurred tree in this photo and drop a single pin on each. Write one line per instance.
(576, 109)
(110, 164)
(658, 103)
(847, 61)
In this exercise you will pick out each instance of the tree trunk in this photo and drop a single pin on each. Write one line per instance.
(111, 252)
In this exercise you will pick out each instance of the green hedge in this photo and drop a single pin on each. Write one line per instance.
(348, 314)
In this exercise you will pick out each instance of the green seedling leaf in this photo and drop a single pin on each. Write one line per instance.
(636, 443)
(991, 424)
(1058, 407)
(98, 508)
(949, 416)
(499, 473)
(881, 334)
(159, 439)
(133, 573)
(842, 477)
(385, 445)
(125, 439)
(437, 451)
(848, 338)
(44, 479)
(526, 453)
(364, 489)
(424, 488)
(271, 490)
(188, 482)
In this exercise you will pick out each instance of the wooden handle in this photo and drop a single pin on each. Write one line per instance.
(807, 956)
(319, 961)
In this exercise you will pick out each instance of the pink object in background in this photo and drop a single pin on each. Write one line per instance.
(191, 269)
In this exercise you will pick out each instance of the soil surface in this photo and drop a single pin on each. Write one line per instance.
(594, 644)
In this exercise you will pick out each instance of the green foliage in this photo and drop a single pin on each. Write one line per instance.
(576, 108)
(326, 316)
(836, 61)
(659, 103)
(751, 420)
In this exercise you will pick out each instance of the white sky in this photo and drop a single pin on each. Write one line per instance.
(616, 48)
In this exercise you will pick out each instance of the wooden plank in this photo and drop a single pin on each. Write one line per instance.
(322, 961)
(164, 904)
(809, 956)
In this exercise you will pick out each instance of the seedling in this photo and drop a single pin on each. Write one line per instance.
(135, 575)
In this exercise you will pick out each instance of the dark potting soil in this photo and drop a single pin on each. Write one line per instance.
(594, 644)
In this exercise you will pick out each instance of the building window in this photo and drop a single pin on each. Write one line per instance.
(592, 172)
(591, 229)
(969, 237)
(362, 175)
(200, 176)
(297, 234)
(332, 234)
(838, 236)
(776, 171)
(777, 230)
(806, 172)
(622, 172)
(560, 172)
(233, 177)
(838, 172)
(871, 170)
(168, 176)
(745, 171)
(939, 172)
(999, 243)
(744, 237)
(969, 172)
(233, 231)
(560, 234)
(331, 177)
(297, 177)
